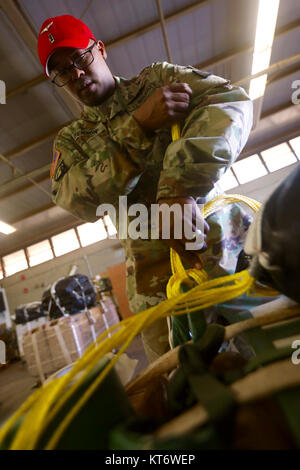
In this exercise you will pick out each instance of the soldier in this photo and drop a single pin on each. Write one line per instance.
(122, 146)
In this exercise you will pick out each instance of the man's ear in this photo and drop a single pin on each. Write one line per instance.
(102, 49)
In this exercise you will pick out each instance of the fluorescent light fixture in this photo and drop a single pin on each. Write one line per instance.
(6, 229)
(264, 36)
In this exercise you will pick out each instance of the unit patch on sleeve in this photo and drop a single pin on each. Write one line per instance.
(60, 171)
(56, 155)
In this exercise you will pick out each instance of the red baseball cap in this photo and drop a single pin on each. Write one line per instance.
(61, 31)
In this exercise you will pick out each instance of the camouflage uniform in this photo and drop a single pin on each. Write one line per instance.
(106, 154)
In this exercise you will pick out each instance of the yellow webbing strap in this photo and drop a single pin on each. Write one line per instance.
(40, 408)
(179, 273)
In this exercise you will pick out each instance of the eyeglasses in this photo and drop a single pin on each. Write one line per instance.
(82, 62)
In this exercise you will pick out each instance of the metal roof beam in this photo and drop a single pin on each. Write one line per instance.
(164, 30)
(32, 144)
(32, 213)
(25, 86)
(13, 183)
(12, 191)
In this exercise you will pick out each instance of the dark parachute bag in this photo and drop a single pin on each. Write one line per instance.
(273, 239)
(69, 295)
(29, 312)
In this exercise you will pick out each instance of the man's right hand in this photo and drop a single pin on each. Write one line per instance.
(166, 106)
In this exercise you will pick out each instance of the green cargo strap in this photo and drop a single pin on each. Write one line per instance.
(257, 337)
(189, 325)
(192, 382)
(204, 350)
(180, 330)
(206, 388)
(266, 357)
(285, 330)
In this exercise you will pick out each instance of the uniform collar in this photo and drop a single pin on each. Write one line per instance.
(124, 93)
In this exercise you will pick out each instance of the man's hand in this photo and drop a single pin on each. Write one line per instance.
(191, 220)
(166, 106)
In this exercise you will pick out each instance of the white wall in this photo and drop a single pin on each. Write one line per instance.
(100, 256)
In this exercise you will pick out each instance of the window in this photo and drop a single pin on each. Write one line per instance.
(39, 253)
(228, 181)
(91, 232)
(65, 242)
(249, 169)
(278, 157)
(15, 262)
(110, 226)
(295, 143)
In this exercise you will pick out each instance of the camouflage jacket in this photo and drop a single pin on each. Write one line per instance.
(106, 154)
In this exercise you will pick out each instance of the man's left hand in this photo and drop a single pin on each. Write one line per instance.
(186, 220)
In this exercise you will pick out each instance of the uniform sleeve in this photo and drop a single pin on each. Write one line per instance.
(83, 180)
(212, 136)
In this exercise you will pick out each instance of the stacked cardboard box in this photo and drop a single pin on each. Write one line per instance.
(60, 342)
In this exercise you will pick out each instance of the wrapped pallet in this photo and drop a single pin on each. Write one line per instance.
(61, 342)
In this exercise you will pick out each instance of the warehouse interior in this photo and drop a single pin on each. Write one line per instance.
(42, 244)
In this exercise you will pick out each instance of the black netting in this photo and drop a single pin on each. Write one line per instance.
(69, 296)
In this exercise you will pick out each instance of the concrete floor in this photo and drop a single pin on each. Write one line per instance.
(16, 384)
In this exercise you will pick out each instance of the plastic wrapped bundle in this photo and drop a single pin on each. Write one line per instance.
(273, 239)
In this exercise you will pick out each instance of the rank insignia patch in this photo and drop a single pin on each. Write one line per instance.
(56, 155)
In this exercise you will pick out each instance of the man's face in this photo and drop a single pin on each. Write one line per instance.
(91, 86)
